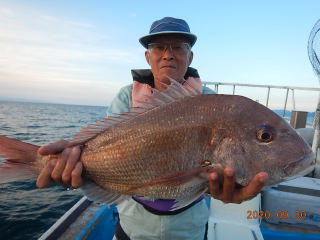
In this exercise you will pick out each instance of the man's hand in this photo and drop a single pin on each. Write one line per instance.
(228, 193)
(66, 170)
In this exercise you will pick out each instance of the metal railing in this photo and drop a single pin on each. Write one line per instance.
(265, 86)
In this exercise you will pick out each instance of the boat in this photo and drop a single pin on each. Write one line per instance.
(289, 210)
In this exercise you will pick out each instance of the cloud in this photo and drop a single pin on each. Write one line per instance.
(51, 58)
(66, 22)
(133, 15)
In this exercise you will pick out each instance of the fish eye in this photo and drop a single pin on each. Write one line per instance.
(265, 134)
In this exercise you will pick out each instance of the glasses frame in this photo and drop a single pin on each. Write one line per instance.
(166, 47)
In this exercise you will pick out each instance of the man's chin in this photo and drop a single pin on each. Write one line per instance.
(165, 78)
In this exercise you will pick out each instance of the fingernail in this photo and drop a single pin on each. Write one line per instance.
(213, 176)
(54, 162)
(78, 164)
(74, 150)
(263, 179)
(67, 150)
(229, 174)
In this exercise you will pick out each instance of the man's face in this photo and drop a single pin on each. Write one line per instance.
(168, 63)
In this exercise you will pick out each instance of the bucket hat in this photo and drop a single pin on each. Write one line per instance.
(168, 25)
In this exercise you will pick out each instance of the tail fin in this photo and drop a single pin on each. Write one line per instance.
(20, 160)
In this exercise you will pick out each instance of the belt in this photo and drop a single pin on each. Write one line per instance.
(162, 206)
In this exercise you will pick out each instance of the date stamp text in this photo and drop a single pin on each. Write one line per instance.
(280, 215)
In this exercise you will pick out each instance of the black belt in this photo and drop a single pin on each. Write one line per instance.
(161, 213)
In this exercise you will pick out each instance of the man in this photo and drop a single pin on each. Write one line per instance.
(168, 53)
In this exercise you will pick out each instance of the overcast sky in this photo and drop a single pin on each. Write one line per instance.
(81, 52)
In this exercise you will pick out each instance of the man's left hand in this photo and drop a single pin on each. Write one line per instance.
(227, 193)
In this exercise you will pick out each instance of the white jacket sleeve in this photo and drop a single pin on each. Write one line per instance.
(121, 101)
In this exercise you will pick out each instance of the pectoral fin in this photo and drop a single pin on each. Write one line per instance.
(184, 178)
(95, 193)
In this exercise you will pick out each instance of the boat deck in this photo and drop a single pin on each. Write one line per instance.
(73, 231)
(283, 227)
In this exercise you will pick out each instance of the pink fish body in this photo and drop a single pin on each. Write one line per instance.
(167, 147)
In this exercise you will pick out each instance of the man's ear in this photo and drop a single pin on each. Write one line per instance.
(147, 55)
(190, 58)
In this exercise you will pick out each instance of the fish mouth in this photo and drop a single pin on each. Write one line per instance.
(301, 167)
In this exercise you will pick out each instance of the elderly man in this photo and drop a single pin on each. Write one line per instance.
(168, 54)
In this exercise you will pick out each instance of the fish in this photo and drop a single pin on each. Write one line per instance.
(167, 147)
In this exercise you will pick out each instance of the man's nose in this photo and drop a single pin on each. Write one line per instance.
(168, 55)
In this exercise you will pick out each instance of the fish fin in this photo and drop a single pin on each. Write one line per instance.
(173, 92)
(182, 178)
(98, 194)
(162, 96)
(179, 89)
(20, 158)
(93, 130)
(12, 172)
(192, 91)
(155, 99)
(182, 202)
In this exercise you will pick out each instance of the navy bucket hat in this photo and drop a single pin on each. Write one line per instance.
(169, 25)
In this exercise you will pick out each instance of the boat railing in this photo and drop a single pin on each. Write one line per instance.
(217, 84)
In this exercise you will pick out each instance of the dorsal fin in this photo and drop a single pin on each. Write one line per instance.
(173, 92)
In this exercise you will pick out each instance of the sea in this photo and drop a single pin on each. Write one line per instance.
(26, 212)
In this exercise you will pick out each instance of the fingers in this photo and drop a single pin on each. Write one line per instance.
(76, 176)
(44, 180)
(58, 171)
(227, 193)
(66, 170)
(254, 187)
(70, 166)
(228, 185)
(214, 185)
(53, 148)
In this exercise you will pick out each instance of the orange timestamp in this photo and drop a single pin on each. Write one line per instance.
(280, 215)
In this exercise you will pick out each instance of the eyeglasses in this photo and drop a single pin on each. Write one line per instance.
(176, 48)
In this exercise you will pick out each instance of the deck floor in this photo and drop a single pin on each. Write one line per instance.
(292, 228)
(81, 222)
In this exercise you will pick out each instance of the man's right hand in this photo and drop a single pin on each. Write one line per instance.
(66, 170)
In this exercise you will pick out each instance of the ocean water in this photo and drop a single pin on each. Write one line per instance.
(309, 121)
(26, 212)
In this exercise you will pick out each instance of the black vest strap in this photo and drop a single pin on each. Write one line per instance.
(120, 234)
(146, 76)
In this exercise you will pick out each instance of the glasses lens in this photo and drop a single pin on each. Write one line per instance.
(157, 47)
(179, 47)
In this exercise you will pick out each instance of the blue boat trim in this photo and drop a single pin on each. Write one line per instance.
(65, 224)
(102, 225)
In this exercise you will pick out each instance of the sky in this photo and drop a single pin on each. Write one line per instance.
(81, 52)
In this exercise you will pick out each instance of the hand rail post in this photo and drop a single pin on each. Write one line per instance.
(285, 104)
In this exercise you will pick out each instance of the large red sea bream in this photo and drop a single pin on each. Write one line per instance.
(167, 147)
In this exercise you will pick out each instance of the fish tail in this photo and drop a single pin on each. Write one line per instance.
(20, 160)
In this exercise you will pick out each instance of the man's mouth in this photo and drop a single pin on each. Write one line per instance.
(167, 67)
